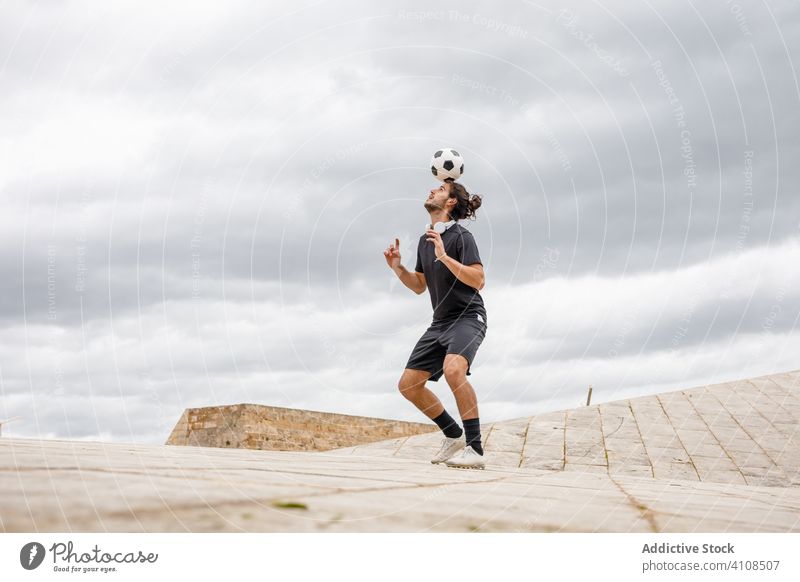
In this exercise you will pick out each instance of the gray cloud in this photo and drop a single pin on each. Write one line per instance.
(229, 171)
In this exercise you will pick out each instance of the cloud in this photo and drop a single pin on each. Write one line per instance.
(305, 348)
(195, 199)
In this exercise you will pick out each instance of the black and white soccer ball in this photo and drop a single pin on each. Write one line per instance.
(447, 164)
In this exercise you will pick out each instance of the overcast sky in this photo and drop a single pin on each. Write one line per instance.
(196, 197)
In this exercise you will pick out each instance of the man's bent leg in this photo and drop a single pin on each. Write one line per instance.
(455, 372)
(412, 387)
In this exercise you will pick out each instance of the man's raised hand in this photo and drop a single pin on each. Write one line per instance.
(392, 254)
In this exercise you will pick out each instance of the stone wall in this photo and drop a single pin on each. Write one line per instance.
(254, 426)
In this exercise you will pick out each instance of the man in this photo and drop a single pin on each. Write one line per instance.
(449, 266)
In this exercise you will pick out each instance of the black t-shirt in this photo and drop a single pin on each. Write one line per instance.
(450, 297)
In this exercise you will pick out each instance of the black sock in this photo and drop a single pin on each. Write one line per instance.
(472, 427)
(449, 426)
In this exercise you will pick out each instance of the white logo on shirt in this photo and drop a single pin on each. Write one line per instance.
(480, 318)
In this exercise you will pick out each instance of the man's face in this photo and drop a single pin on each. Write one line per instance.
(438, 198)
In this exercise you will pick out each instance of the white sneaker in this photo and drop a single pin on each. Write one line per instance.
(449, 448)
(469, 458)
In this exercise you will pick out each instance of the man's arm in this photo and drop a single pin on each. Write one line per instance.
(467, 267)
(413, 280)
(471, 275)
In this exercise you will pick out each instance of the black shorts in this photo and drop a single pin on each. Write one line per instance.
(462, 336)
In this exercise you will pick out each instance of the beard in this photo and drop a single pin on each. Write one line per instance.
(431, 205)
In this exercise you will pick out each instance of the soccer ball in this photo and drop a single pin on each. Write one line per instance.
(447, 164)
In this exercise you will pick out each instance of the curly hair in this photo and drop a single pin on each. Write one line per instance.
(466, 204)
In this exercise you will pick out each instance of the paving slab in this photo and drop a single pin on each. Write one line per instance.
(711, 458)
